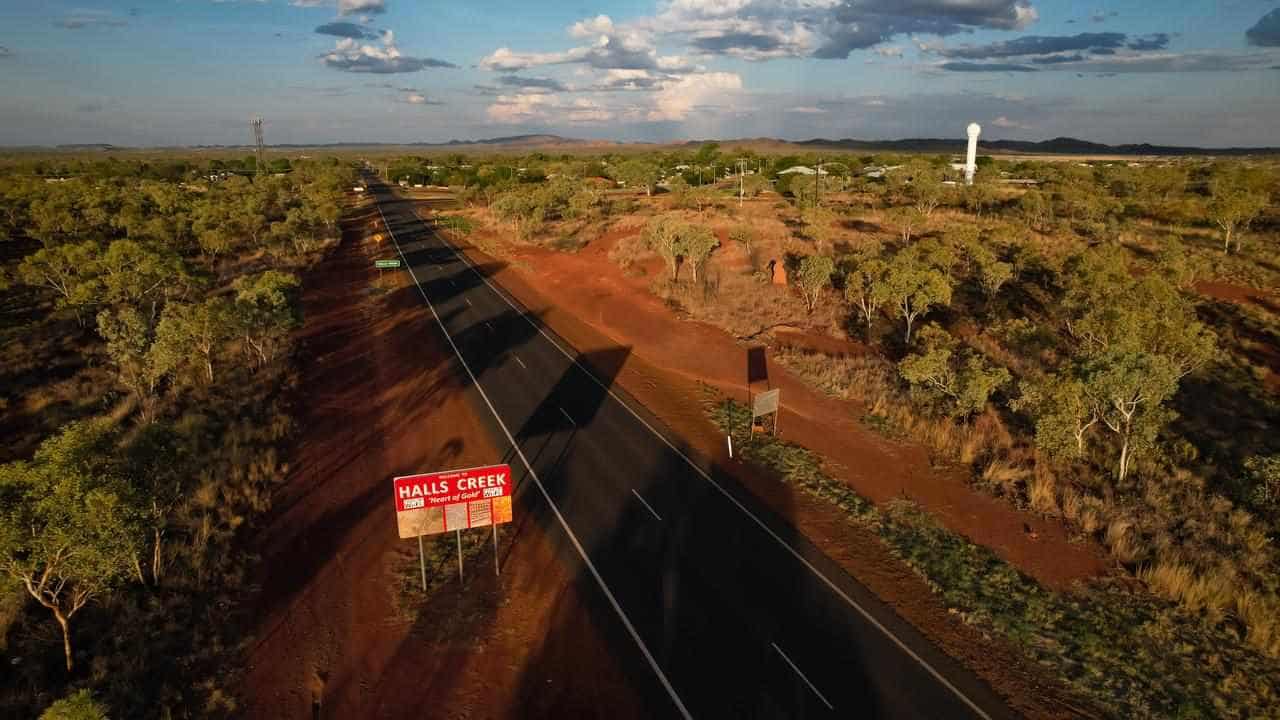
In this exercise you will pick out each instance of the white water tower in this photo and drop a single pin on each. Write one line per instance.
(971, 159)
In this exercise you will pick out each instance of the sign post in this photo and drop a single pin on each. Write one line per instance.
(766, 403)
(433, 503)
(422, 561)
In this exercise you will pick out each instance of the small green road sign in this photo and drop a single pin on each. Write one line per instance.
(380, 264)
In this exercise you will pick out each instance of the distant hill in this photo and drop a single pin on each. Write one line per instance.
(1056, 146)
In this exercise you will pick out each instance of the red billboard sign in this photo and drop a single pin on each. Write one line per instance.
(439, 502)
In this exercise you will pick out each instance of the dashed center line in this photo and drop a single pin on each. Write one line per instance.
(802, 677)
(468, 302)
(517, 357)
(568, 416)
(646, 505)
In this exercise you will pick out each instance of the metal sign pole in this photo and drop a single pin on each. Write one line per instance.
(496, 570)
(459, 532)
(422, 561)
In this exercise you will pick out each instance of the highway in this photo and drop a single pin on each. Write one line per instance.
(727, 609)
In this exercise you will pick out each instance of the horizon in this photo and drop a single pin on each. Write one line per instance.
(325, 72)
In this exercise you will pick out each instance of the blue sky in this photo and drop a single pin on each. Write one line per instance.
(183, 72)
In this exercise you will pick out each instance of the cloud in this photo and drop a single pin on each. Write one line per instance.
(675, 100)
(1108, 65)
(765, 29)
(542, 83)
(1155, 41)
(366, 7)
(1055, 59)
(1036, 45)
(620, 80)
(88, 20)
(347, 30)
(5, 52)
(417, 98)
(1101, 17)
(612, 49)
(1266, 32)
(350, 56)
(89, 107)
(347, 7)
(544, 107)
(985, 67)
(1004, 122)
(806, 110)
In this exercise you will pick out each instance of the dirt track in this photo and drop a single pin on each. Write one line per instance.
(380, 398)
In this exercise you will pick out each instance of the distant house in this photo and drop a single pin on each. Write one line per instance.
(801, 170)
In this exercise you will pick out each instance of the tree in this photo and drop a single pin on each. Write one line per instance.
(129, 341)
(818, 223)
(696, 244)
(746, 236)
(68, 270)
(1036, 210)
(1062, 411)
(79, 705)
(133, 274)
(662, 235)
(908, 219)
(814, 277)
(962, 380)
(866, 271)
(66, 533)
(264, 312)
(680, 192)
(158, 479)
(992, 273)
(1233, 210)
(1127, 390)
(637, 173)
(190, 334)
(1181, 268)
(912, 287)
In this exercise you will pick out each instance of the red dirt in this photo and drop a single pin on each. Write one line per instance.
(378, 400)
(671, 357)
(1240, 295)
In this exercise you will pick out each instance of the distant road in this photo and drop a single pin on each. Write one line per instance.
(734, 613)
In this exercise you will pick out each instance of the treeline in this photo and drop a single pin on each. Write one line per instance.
(120, 530)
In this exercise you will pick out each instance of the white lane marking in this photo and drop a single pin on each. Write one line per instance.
(812, 687)
(568, 417)
(646, 505)
(488, 325)
(468, 302)
(866, 614)
(626, 621)
(517, 357)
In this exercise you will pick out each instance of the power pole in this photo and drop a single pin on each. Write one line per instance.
(742, 180)
(817, 185)
(257, 140)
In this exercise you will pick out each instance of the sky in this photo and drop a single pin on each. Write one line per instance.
(194, 72)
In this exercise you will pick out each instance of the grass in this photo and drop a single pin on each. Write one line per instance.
(1125, 649)
(441, 553)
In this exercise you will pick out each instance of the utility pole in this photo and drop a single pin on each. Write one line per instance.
(257, 141)
(817, 185)
(742, 180)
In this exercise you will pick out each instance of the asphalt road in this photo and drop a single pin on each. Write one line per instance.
(728, 610)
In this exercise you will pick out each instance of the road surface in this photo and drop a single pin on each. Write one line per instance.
(726, 609)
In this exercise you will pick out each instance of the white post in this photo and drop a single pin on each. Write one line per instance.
(422, 561)
(971, 159)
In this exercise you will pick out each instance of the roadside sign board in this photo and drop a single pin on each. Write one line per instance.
(380, 264)
(765, 403)
(439, 502)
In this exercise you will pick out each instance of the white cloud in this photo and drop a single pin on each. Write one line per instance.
(674, 101)
(347, 7)
(351, 56)
(806, 110)
(1004, 122)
